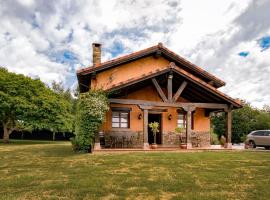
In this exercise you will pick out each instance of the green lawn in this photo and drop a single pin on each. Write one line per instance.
(50, 170)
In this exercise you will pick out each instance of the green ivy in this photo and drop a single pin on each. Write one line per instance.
(91, 109)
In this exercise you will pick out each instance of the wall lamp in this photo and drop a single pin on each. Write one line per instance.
(170, 117)
(140, 116)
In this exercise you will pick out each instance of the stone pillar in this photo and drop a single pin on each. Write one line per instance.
(228, 115)
(145, 129)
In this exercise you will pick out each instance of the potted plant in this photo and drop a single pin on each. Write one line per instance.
(180, 131)
(155, 129)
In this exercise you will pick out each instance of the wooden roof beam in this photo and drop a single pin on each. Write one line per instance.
(179, 91)
(159, 90)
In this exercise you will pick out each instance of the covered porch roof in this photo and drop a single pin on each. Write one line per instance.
(183, 84)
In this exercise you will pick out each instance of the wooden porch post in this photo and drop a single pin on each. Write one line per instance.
(188, 136)
(145, 129)
(169, 87)
(228, 115)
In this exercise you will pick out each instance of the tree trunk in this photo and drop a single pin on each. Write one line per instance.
(6, 134)
(53, 136)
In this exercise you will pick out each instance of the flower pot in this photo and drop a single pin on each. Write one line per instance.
(183, 146)
(153, 146)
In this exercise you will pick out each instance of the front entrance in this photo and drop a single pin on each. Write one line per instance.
(154, 118)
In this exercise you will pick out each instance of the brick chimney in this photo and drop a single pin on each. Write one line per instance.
(96, 53)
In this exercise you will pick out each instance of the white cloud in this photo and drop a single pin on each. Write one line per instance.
(210, 33)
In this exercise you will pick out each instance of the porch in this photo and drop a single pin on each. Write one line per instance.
(135, 140)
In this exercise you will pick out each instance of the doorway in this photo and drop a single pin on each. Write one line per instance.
(154, 118)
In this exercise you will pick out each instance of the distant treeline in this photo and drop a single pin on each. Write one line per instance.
(244, 121)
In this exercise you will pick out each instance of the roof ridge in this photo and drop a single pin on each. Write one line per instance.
(118, 58)
(149, 50)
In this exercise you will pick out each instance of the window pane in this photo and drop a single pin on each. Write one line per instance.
(124, 125)
(115, 119)
(115, 114)
(115, 125)
(125, 115)
(180, 126)
(180, 116)
(124, 119)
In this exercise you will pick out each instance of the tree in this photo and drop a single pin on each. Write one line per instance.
(91, 109)
(28, 104)
(244, 121)
(69, 103)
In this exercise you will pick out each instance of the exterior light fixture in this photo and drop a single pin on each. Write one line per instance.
(170, 117)
(140, 116)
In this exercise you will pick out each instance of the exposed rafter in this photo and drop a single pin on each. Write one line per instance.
(159, 90)
(179, 91)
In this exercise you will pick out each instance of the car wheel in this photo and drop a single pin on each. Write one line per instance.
(252, 144)
(267, 148)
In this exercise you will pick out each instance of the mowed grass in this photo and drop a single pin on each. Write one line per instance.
(50, 170)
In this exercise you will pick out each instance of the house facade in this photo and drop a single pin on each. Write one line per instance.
(157, 85)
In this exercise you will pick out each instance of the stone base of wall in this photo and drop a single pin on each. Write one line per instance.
(204, 138)
(137, 138)
(170, 139)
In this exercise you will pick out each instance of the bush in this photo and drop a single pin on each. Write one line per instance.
(91, 109)
(214, 139)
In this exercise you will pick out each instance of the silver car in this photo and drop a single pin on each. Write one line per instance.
(259, 138)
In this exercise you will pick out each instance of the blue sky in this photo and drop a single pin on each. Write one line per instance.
(52, 39)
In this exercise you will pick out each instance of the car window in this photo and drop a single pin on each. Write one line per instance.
(258, 133)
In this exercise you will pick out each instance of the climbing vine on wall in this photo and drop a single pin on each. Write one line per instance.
(91, 109)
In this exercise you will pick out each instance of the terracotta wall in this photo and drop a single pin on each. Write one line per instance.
(124, 72)
(201, 123)
(135, 123)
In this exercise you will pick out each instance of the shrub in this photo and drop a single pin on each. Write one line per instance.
(91, 109)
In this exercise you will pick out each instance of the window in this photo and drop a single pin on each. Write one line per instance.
(120, 119)
(258, 133)
(181, 120)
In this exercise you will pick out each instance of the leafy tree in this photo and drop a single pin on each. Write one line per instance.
(244, 120)
(28, 104)
(69, 103)
(91, 109)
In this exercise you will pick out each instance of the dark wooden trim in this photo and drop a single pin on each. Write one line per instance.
(120, 109)
(179, 91)
(212, 93)
(159, 90)
(145, 126)
(119, 113)
(154, 110)
(202, 85)
(152, 104)
(169, 87)
(228, 114)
